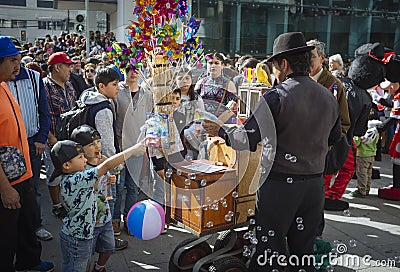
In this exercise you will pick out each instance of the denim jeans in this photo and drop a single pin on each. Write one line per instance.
(132, 192)
(103, 239)
(36, 164)
(75, 253)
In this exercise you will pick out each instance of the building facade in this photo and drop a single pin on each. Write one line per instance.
(229, 26)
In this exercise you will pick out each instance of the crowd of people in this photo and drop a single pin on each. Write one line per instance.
(86, 175)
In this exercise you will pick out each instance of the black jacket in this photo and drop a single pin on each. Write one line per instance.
(360, 103)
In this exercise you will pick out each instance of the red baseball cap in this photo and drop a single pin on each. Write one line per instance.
(59, 57)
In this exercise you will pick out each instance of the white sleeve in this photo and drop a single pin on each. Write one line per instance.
(104, 125)
(200, 103)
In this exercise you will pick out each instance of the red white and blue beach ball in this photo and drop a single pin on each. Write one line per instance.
(146, 219)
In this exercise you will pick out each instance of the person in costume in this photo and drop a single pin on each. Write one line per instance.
(392, 192)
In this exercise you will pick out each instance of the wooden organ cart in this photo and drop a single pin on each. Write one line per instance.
(206, 203)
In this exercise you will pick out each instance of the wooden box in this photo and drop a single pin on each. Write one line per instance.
(203, 202)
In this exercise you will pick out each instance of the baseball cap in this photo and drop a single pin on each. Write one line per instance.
(7, 48)
(59, 57)
(62, 152)
(85, 135)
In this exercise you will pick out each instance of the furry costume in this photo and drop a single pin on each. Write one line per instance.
(392, 192)
(365, 72)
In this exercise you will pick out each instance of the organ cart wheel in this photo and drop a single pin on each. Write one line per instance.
(228, 264)
(189, 256)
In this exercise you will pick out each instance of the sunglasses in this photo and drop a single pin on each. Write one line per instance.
(90, 71)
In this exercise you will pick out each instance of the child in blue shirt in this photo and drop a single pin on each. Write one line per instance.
(79, 198)
(103, 237)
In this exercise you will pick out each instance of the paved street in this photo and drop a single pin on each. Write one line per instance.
(372, 228)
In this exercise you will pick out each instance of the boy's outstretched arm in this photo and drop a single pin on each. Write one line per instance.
(136, 150)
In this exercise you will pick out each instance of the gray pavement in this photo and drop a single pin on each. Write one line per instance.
(372, 228)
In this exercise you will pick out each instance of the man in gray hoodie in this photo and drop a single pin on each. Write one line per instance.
(130, 107)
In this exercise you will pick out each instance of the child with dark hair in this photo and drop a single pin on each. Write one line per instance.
(79, 199)
(101, 118)
(103, 235)
(190, 99)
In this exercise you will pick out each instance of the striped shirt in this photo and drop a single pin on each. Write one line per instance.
(28, 90)
(60, 100)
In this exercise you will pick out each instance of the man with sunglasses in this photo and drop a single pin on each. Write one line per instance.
(61, 98)
(76, 76)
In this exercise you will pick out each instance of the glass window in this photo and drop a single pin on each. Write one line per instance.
(18, 23)
(21, 3)
(253, 38)
(42, 24)
(44, 4)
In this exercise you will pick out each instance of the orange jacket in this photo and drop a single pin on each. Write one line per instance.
(9, 135)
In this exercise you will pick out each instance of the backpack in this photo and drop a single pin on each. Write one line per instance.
(79, 115)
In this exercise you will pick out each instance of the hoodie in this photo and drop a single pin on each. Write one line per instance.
(103, 120)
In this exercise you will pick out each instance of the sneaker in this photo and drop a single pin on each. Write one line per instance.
(116, 228)
(389, 192)
(59, 211)
(120, 244)
(335, 205)
(357, 193)
(43, 266)
(103, 269)
(43, 234)
(126, 229)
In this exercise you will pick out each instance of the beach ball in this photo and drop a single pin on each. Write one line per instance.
(146, 219)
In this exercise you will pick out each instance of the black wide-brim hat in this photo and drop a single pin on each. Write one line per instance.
(290, 43)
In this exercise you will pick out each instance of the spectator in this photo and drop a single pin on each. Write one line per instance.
(19, 242)
(61, 98)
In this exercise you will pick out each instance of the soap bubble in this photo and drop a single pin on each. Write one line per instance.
(252, 221)
(203, 182)
(346, 213)
(299, 220)
(228, 218)
(289, 180)
(288, 156)
(168, 173)
(235, 194)
(254, 241)
(352, 243)
(250, 212)
(293, 159)
(247, 253)
(264, 239)
(300, 227)
(210, 224)
(271, 233)
(192, 175)
(187, 182)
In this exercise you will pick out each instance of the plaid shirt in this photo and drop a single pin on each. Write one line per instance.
(59, 102)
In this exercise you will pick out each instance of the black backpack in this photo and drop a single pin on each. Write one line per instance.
(79, 115)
